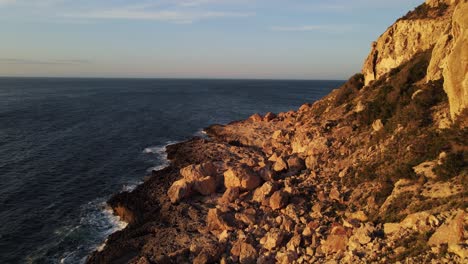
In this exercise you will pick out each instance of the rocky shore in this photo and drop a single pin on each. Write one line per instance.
(375, 172)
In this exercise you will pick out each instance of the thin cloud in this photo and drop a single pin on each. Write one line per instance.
(298, 28)
(42, 62)
(322, 28)
(176, 16)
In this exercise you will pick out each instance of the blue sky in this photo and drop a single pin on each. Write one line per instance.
(278, 39)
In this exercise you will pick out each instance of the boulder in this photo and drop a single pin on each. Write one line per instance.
(449, 233)
(255, 118)
(199, 171)
(217, 220)
(311, 162)
(209, 254)
(246, 252)
(263, 192)
(179, 190)
(241, 177)
(277, 134)
(273, 239)
(296, 164)
(230, 195)
(364, 234)
(336, 241)
(279, 199)
(280, 165)
(205, 186)
(286, 257)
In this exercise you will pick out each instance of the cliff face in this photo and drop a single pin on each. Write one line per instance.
(372, 173)
(456, 68)
(437, 25)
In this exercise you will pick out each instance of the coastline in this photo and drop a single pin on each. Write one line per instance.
(350, 178)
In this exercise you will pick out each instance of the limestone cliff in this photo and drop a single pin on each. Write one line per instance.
(456, 68)
(437, 25)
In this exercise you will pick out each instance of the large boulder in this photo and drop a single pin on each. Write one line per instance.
(205, 186)
(451, 232)
(196, 172)
(241, 177)
(179, 190)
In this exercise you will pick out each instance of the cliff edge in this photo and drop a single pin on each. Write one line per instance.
(438, 25)
(375, 172)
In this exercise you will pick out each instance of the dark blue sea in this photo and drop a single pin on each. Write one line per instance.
(66, 145)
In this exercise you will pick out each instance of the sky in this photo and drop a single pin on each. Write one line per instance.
(260, 39)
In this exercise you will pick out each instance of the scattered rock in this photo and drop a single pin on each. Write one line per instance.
(246, 252)
(263, 192)
(295, 164)
(241, 177)
(278, 200)
(205, 186)
(217, 220)
(274, 239)
(451, 232)
(269, 117)
(280, 165)
(179, 190)
(336, 241)
(255, 118)
(377, 125)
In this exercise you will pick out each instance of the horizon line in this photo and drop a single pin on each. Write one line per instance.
(167, 78)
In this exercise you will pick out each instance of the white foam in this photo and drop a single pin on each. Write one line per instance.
(201, 133)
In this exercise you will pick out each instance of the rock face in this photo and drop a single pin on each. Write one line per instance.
(401, 42)
(456, 68)
(440, 25)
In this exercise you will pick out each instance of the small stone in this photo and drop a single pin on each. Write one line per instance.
(263, 192)
(278, 200)
(269, 117)
(274, 238)
(334, 194)
(280, 165)
(377, 125)
(230, 195)
(255, 118)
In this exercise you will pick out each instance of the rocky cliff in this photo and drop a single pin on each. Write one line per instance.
(375, 172)
(437, 25)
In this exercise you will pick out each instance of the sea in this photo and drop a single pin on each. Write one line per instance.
(67, 145)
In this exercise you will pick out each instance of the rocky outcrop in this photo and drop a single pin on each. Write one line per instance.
(437, 25)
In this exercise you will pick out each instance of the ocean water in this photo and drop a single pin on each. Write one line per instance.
(66, 145)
